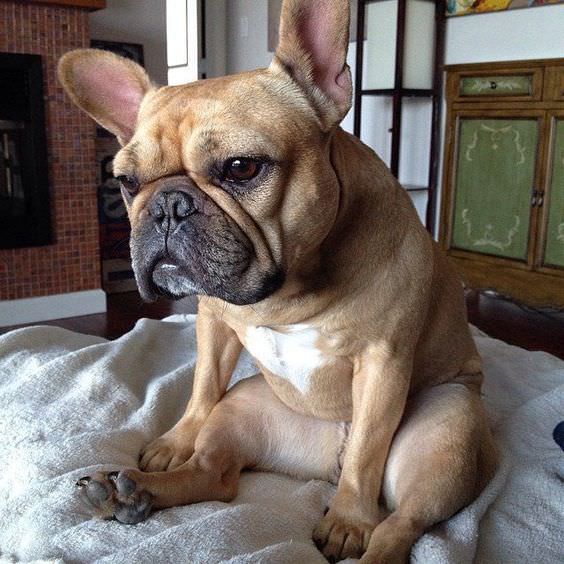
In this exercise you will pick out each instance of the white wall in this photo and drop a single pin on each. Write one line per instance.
(533, 33)
(216, 43)
(247, 35)
(135, 21)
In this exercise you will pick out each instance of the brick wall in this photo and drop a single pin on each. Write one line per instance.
(72, 263)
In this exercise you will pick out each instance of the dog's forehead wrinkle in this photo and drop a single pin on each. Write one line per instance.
(215, 141)
(176, 102)
(152, 153)
(153, 162)
(207, 128)
(126, 160)
(207, 140)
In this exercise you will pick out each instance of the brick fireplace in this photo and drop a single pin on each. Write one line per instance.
(71, 263)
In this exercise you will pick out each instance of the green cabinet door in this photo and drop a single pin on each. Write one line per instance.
(493, 184)
(554, 252)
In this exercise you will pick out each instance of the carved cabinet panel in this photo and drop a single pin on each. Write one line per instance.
(495, 170)
(554, 248)
(503, 192)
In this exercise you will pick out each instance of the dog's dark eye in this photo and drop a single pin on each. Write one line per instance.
(129, 183)
(241, 169)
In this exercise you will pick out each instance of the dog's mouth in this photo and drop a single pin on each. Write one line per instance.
(205, 252)
(169, 279)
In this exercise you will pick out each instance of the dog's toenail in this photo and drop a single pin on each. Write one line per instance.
(326, 510)
(113, 476)
(83, 482)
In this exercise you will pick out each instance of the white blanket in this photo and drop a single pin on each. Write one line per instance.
(73, 403)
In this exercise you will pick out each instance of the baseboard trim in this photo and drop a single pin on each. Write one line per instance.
(44, 308)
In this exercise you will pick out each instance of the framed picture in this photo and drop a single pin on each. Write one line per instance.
(133, 51)
(465, 7)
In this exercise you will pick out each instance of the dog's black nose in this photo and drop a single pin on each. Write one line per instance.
(170, 209)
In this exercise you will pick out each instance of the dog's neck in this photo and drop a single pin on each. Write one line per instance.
(370, 198)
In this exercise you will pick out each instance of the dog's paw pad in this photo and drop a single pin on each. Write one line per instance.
(115, 495)
(123, 483)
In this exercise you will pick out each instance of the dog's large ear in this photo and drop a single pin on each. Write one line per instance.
(314, 37)
(107, 87)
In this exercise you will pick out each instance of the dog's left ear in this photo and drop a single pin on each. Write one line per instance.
(314, 38)
(107, 87)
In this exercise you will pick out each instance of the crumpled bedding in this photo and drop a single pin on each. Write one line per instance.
(73, 403)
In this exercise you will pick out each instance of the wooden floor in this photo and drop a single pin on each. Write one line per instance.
(499, 318)
(517, 324)
(123, 311)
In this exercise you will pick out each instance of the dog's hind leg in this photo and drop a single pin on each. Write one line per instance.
(249, 428)
(441, 458)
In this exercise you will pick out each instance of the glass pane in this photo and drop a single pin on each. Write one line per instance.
(496, 86)
(420, 200)
(415, 144)
(380, 44)
(419, 44)
(13, 199)
(376, 124)
(494, 180)
(554, 254)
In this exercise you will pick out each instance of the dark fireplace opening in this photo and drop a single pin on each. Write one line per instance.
(25, 218)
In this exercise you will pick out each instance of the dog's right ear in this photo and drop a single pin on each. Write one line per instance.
(107, 87)
(314, 38)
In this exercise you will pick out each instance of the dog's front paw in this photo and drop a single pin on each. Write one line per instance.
(115, 495)
(342, 536)
(170, 451)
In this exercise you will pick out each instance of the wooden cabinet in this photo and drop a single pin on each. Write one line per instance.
(503, 191)
(555, 83)
(552, 248)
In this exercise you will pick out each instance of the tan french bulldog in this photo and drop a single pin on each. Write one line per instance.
(305, 250)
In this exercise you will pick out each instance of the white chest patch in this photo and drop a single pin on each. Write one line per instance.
(291, 355)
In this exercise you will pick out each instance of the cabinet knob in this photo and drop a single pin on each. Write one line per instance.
(537, 198)
(493, 84)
